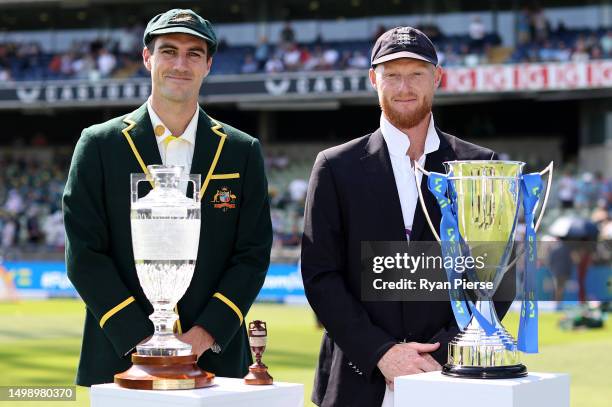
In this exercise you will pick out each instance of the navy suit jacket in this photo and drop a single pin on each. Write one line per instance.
(352, 197)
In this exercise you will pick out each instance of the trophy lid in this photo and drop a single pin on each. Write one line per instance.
(258, 328)
(484, 162)
(500, 169)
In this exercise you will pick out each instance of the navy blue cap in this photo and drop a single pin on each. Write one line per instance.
(403, 42)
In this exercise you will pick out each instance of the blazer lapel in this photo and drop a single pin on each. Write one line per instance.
(383, 194)
(434, 161)
(210, 139)
(140, 131)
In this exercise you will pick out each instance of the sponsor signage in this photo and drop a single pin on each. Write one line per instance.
(43, 279)
(283, 282)
(486, 79)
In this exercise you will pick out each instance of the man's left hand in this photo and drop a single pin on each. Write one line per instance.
(199, 339)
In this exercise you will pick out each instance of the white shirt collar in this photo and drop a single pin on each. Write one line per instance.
(188, 135)
(398, 142)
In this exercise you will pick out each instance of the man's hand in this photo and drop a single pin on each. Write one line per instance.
(408, 358)
(199, 339)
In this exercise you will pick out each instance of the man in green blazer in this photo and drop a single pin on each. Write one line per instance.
(235, 237)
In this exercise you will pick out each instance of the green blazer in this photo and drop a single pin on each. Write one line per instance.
(233, 255)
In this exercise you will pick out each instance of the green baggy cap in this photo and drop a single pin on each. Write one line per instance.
(181, 21)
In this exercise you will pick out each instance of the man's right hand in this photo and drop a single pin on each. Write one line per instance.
(408, 358)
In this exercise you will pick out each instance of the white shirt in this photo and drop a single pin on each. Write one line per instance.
(297, 189)
(177, 151)
(331, 56)
(477, 30)
(106, 63)
(292, 57)
(398, 144)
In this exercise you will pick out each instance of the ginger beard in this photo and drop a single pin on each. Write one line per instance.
(406, 119)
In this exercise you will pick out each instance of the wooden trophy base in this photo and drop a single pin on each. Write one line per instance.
(258, 375)
(164, 373)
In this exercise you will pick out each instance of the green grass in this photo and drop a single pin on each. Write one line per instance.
(40, 340)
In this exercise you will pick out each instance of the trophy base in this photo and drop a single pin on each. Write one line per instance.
(477, 372)
(164, 373)
(258, 375)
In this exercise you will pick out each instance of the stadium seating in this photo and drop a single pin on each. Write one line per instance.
(27, 62)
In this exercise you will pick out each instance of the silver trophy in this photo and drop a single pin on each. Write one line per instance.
(483, 199)
(165, 237)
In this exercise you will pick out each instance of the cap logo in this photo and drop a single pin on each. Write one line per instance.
(404, 36)
(182, 17)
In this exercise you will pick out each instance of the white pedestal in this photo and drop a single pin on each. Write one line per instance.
(436, 390)
(226, 392)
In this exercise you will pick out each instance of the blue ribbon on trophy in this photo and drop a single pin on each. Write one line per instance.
(531, 186)
(452, 245)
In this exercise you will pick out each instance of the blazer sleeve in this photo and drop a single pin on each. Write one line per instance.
(90, 268)
(248, 265)
(323, 262)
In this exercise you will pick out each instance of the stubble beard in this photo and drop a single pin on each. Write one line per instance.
(175, 95)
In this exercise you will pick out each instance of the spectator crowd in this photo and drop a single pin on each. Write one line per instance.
(537, 41)
(587, 195)
(30, 203)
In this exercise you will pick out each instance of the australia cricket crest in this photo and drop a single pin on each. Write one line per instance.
(224, 199)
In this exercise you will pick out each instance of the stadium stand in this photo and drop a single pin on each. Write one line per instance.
(31, 186)
(99, 60)
(88, 54)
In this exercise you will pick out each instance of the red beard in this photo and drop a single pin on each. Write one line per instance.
(405, 120)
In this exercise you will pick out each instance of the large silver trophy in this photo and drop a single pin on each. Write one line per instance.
(165, 228)
(480, 202)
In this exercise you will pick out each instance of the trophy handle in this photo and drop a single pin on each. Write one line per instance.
(135, 179)
(195, 180)
(418, 168)
(549, 170)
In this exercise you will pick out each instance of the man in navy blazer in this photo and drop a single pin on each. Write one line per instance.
(364, 190)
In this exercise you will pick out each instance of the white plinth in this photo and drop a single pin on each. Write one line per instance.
(436, 390)
(226, 393)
